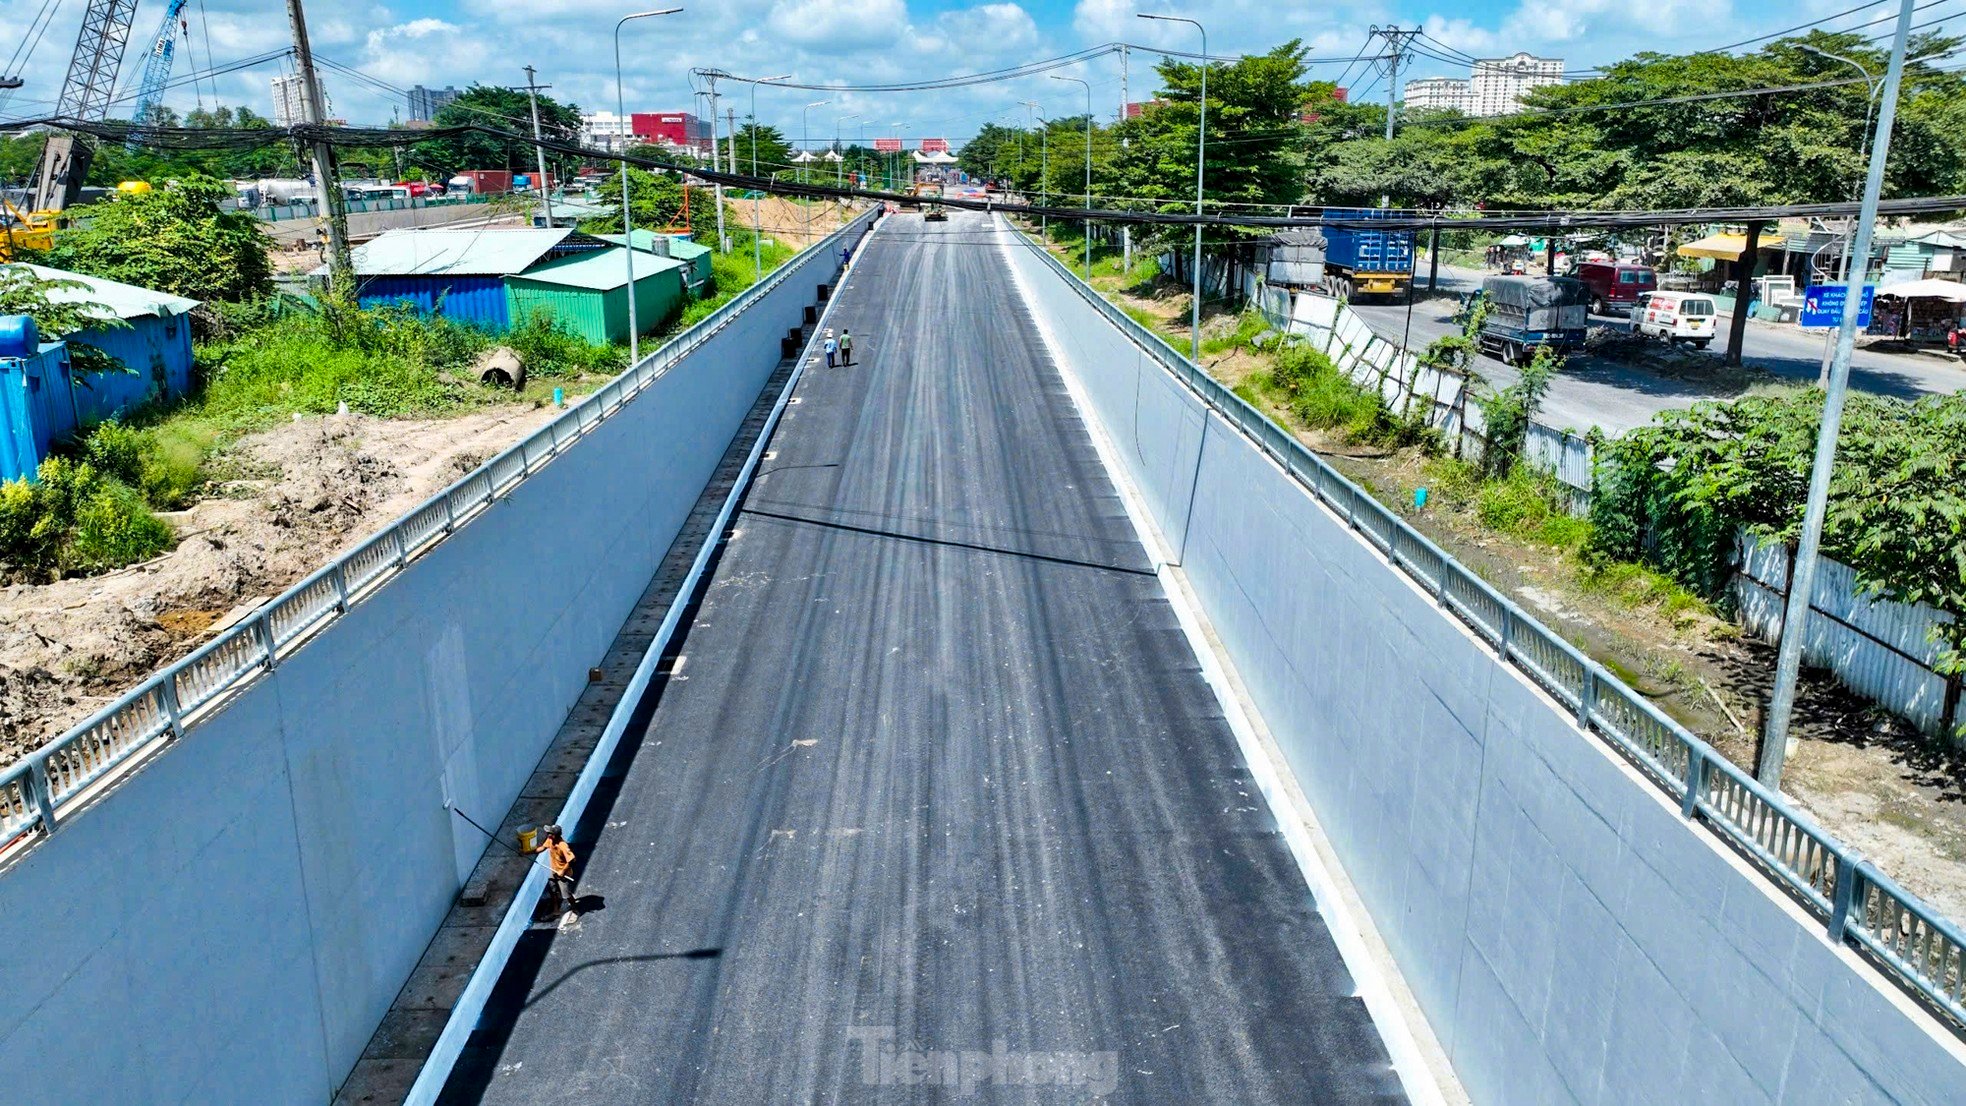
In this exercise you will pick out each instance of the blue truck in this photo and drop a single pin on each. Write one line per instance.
(1527, 313)
(1364, 262)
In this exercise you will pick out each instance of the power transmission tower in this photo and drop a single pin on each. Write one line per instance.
(85, 95)
(341, 269)
(545, 198)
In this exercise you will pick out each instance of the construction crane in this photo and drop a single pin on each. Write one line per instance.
(157, 64)
(85, 95)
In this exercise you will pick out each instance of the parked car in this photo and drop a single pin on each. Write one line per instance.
(1616, 285)
(1678, 317)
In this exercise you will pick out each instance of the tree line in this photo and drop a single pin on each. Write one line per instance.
(1276, 137)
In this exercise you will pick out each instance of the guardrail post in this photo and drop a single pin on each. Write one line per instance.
(167, 699)
(1586, 698)
(263, 630)
(43, 793)
(396, 539)
(339, 575)
(1504, 632)
(1845, 896)
(1696, 782)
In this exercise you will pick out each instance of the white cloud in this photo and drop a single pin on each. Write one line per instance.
(838, 25)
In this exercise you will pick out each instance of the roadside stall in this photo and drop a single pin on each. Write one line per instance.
(1919, 310)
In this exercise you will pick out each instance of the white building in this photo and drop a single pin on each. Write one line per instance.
(605, 130)
(1495, 87)
(1438, 93)
(1498, 84)
(289, 101)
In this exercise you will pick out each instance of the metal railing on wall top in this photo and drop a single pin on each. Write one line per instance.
(37, 791)
(1909, 940)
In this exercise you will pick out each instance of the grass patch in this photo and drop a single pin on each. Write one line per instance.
(1248, 326)
(1634, 586)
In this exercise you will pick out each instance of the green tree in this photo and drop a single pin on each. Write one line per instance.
(656, 200)
(179, 238)
(773, 154)
(1256, 139)
(505, 109)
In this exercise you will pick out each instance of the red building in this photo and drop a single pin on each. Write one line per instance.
(677, 128)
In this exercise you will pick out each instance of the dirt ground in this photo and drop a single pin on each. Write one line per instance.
(787, 221)
(297, 495)
(1865, 776)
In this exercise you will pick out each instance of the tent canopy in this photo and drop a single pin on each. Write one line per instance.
(1926, 289)
(1721, 247)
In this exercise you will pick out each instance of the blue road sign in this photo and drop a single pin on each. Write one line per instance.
(1822, 305)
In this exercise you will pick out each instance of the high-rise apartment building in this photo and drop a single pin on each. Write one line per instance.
(1495, 85)
(289, 101)
(426, 102)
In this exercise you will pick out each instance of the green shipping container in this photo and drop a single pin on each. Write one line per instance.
(587, 294)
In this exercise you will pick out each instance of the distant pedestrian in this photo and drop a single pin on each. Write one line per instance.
(832, 350)
(559, 863)
(846, 347)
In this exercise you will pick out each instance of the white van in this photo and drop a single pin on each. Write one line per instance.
(1677, 317)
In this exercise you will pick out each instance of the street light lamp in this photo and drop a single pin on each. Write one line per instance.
(1088, 169)
(1201, 146)
(627, 220)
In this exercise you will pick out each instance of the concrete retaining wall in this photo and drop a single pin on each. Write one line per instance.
(1569, 936)
(231, 923)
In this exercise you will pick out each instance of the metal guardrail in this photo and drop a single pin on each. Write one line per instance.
(1921, 950)
(35, 791)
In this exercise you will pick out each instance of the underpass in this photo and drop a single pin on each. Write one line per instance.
(934, 792)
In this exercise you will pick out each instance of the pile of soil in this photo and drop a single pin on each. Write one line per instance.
(296, 496)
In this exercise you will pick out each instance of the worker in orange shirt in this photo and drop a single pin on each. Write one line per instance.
(559, 861)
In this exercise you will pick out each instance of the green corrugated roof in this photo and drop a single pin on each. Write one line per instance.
(645, 240)
(600, 270)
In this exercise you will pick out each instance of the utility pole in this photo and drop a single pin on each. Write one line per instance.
(545, 197)
(1396, 40)
(716, 161)
(1802, 578)
(341, 269)
(1126, 106)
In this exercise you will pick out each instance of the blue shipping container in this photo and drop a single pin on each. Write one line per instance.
(1367, 251)
(41, 402)
(478, 301)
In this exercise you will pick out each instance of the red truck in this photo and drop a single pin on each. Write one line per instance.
(1616, 285)
(482, 182)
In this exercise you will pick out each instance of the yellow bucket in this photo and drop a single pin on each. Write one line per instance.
(528, 835)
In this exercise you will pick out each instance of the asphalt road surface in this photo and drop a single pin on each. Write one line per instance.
(936, 802)
(1593, 391)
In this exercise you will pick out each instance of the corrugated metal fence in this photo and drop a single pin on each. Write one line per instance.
(1882, 650)
(1338, 332)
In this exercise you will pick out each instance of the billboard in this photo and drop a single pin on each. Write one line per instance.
(887, 145)
(935, 145)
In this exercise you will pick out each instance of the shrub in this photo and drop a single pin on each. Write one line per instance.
(76, 520)
(548, 350)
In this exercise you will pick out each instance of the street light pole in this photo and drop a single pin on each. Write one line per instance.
(1870, 108)
(1201, 153)
(1044, 176)
(757, 194)
(805, 175)
(628, 220)
(1087, 203)
(1802, 579)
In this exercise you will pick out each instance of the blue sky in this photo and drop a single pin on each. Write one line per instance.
(439, 42)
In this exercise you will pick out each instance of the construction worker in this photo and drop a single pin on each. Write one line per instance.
(846, 347)
(559, 862)
(832, 349)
